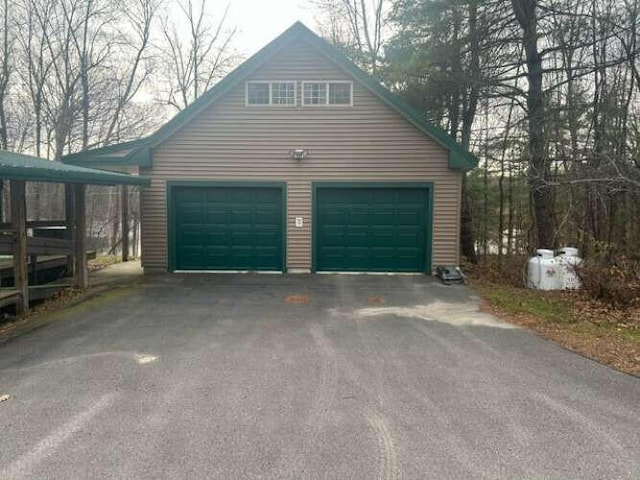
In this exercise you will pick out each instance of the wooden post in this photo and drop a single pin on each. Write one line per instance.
(69, 214)
(82, 276)
(125, 223)
(19, 227)
(1, 201)
(33, 259)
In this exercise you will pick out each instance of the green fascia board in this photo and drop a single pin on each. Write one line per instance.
(96, 160)
(140, 153)
(109, 149)
(140, 157)
(226, 84)
(459, 158)
(137, 154)
(15, 166)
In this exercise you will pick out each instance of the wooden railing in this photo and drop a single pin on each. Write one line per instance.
(6, 227)
(37, 245)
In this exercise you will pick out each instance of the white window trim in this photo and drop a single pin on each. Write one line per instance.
(271, 104)
(326, 104)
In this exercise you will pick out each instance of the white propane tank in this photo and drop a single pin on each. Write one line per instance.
(542, 271)
(567, 260)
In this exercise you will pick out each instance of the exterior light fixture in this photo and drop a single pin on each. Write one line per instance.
(299, 153)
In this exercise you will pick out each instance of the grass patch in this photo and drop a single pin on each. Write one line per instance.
(549, 306)
(594, 329)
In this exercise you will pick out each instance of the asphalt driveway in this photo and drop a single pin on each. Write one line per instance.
(266, 376)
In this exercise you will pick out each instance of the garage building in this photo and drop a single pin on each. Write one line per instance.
(297, 161)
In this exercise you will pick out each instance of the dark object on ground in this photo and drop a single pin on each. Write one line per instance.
(450, 275)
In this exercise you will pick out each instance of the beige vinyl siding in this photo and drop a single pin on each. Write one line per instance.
(298, 238)
(367, 142)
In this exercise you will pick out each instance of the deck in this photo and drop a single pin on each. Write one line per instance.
(46, 269)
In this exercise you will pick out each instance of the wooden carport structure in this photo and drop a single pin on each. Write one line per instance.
(19, 169)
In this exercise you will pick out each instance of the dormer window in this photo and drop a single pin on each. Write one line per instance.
(327, 93)
(314, 93)
(271, 93)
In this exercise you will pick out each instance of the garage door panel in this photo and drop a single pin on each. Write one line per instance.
(265, 238)
(381, 239)
(216, 216)
(334, 217)
(357, 239)
(382, 252)
(242, 217)
(371, 229)
(192, 256)
(415, 196)
(409, 239)
(192, 237)
(408, 218)
(216, 250)
(191, 195)
(193, 215)
(332, 236)
(381, 217)
(381, 197)
(228, 228)
(212, 257)
(241, 239)
(386, 260)
(268, 218)
(215, 237)
(359, 217)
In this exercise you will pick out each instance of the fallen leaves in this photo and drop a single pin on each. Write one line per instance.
(102, 261)
(593, 329)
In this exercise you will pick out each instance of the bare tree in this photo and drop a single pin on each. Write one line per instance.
(7, 40)
(192, 67)
(140, 15)
(357, 26)
(37, 63)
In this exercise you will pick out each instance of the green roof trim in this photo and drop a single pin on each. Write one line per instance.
(121, 154)
(138, 152)
(15, 166)
(459, 157)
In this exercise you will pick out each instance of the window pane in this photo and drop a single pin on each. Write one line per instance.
(283, 93)
(315, 93)
(340, 93)
(258, 93)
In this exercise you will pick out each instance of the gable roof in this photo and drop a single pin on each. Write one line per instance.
(15, 166)
(138, 152)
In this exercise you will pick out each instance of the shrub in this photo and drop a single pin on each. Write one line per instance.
(616, 283)
(510, 270)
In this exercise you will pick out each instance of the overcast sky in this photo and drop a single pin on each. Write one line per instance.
(260, 21)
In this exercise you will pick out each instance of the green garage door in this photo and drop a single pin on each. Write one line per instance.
(372, 229)
(228, 228)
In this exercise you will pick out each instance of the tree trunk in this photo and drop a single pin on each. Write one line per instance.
(539, 171)
(467, 240)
